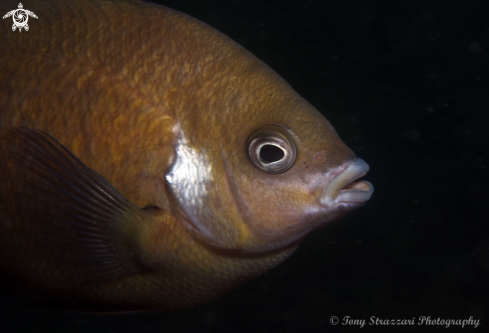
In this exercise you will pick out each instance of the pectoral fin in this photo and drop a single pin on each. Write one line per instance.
(70, 210)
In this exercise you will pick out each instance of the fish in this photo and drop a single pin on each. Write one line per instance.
(150, 163)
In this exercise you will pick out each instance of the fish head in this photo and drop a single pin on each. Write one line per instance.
(256, 167)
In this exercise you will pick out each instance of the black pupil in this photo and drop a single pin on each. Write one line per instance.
(271, 153)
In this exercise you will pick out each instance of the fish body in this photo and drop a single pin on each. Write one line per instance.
(149, 162)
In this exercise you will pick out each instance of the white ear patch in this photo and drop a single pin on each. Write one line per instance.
(190, 179)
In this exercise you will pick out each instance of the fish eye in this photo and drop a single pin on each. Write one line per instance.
(271, 149)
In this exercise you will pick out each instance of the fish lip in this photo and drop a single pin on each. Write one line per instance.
(343, 190)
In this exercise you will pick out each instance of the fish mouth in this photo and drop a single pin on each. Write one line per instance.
(344, 190)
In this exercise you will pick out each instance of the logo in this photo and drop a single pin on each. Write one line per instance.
(20, 16)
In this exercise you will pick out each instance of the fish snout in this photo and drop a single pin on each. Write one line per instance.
(344, 190)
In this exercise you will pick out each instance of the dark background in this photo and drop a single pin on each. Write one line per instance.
(405, 83)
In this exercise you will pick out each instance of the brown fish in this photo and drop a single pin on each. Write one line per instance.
(149, 162)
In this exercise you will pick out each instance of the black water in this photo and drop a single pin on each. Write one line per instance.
(406, 85)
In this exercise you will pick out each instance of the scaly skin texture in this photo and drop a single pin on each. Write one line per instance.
(118, 83)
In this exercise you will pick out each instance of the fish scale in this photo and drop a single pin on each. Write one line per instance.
(128, 181)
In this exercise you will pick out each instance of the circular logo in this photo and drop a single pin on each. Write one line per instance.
(20, 17)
